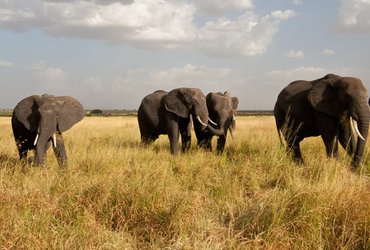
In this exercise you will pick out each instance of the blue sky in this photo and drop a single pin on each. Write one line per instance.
(111, 53)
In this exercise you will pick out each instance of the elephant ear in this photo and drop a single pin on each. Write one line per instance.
(71, 112)
(174, 102)
(212, 99)
(26, 111)
(322, 97)
(235, 102)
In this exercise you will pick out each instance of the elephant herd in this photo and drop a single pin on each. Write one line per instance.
(333, 107)
(171, 113)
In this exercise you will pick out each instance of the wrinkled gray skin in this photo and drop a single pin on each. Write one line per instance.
(44, 115)
(170, 113)
(222, 110)
(324, 107)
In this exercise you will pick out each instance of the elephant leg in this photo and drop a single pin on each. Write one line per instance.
(331, 145)
(221, 144)
(205, 142)
(208, 143)
(60, 151)
(173, 136)
(23, 154)
(291, 131)
(22, 149)
(185, 131)
(328, 128)
(23, 143)
(293, 146)
(297, 156)
(346, 137)
(148, 139)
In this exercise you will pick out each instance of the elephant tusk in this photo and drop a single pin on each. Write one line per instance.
(209, 119)
(231, 133)
(36, 139)
(351, 124)
(354, 126)
(234, 118)
(54, 140)
(200, 121)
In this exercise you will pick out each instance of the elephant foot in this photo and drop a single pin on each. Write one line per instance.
(298, 160)
(30, 160)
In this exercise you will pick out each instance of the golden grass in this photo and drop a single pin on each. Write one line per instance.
(117, 194)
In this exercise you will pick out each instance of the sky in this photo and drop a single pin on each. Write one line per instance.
(109, 54)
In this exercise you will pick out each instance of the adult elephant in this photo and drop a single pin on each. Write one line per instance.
(170, 113)
(222, 110)
(37, 120)
(325, 107)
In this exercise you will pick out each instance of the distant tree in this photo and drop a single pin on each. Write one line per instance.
(96, 112)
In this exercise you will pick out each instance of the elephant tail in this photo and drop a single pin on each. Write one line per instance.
(279, 123)
(280, 135)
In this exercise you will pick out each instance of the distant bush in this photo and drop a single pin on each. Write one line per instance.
(6, 112)
(96, 112)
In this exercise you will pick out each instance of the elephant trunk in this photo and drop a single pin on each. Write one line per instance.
(363, 120)
(203, 118)
(41, 147)
(45, 130)
(218, 132)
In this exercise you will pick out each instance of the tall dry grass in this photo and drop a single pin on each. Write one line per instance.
(116, 194)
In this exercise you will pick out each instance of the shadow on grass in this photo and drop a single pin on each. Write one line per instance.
(8, 160)
(13, 163)
(130, 144)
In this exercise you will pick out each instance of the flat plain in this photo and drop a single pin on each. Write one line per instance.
(117, 194)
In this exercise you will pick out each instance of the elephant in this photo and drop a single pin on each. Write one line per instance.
(38, 120)
(222, 110)
(170, 113)
(325, 107)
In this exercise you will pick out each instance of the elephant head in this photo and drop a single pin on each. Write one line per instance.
(45, 118)
(184, 102)
(222, 110)
(344, 98)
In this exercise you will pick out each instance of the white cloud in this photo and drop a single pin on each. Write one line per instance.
(151, 24)
(300, 73)
(136, 83)
(297, 2)
(328, 52)
(93, 84)
(249, 35)
(294, 54)
(187, 75)
(46, 74)
(284, 77)
(5, 63)
(353, 16)
(283, 15)
(191, 75)
(219, 7)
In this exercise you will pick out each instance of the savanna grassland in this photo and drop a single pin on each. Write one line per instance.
(116, 194)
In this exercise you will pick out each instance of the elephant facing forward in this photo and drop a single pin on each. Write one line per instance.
(324, 107)
(222, 110)
(39, 120)
(169, 113)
